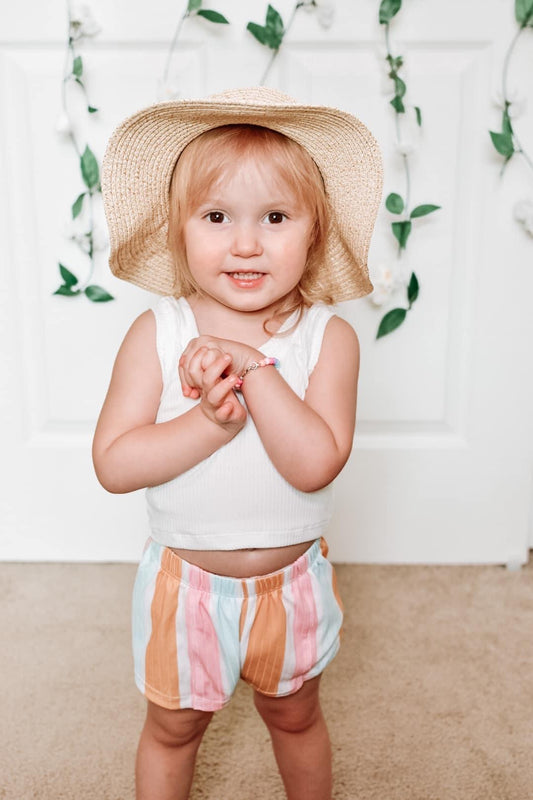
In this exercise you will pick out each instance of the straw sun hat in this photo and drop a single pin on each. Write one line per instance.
(143, 151)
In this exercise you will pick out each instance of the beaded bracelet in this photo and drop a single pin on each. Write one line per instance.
(265, 362)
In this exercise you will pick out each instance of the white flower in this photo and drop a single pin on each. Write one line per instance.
(63, 125)
(325, 10)
(386, 281)
(517, 100)
(100, 240)
(523, 213)
(406, 147)
(167, 90)
(82, 22)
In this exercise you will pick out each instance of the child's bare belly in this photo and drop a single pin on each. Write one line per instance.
(244, 563)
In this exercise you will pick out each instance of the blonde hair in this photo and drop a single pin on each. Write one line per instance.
(204, 160)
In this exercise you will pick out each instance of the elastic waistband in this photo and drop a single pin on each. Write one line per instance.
(201, 579)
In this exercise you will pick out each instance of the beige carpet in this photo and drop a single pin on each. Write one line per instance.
(430, 697)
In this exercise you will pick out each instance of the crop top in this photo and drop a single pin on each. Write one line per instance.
(235, 498)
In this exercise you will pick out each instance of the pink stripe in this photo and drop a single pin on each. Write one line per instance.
(305, 624)
(204, 652)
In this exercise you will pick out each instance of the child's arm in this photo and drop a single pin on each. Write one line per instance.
(131, 451)
(308, 440)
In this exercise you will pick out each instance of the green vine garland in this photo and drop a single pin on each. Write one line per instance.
(506, 141)
(395, 203)
(81, 25)
(166, 90)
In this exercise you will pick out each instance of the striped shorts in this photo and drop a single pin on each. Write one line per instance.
(196, 633)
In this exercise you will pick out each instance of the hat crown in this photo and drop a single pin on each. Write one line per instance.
(253, 96)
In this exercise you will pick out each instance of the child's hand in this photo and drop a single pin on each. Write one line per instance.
(240, 356)
(208, 377)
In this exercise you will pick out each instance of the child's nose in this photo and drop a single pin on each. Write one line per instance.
(246, 241)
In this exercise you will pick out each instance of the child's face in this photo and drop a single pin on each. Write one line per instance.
(247, 243)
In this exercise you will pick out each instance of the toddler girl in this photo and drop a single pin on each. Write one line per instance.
(233, 403)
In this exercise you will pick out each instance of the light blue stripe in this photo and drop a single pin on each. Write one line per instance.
(226, 619)
(141, 618)
(330, 618)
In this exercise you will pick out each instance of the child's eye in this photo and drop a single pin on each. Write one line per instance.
(275, 217)
(216, 216)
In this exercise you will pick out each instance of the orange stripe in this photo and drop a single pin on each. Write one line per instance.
(337, 596)
(266, 645)
(161, 651)
(244, 608)
(336, 589)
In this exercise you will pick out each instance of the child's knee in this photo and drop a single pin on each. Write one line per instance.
(293, 712)
(176, 727)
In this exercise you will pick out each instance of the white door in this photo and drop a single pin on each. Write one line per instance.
(442, 466)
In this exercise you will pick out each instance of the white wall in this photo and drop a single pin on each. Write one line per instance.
(441, 469)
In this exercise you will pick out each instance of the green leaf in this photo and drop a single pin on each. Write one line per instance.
(388, 9)
(394, 62)
(398, 105)
(92, 109)
(394, 203)
(523, 10)
(503, 143)
(212, 16)
(69, 279)
(421, 211)
(77, 205)
(97, 294)
(77, 67)
(412, 289)
(401, 230)
(274, 21)
(80, 82)
(418, 115)
(89, 168)
(258, 31)
(400, 86)
(270, 34)
(392, 320)
(194, 5)
(66, 291)
(506, 123)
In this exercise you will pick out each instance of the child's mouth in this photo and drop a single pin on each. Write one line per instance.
(246, 279)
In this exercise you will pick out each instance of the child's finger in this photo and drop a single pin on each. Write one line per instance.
(221, 389)
(223, 414)
(193, 372)
(186, 388)
(213, 374)
(211, 355)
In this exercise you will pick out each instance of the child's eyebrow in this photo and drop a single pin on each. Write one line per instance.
(271, 205)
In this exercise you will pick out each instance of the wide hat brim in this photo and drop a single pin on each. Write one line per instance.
(143, 150)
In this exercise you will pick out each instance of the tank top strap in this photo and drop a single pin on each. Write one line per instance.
(175, 327)
(312, 330)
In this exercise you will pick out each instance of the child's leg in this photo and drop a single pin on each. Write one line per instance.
(300, 740)
(167, 752)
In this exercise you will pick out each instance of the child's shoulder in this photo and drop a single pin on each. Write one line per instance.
(175, 326)
(317, 319)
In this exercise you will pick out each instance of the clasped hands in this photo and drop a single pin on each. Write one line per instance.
(209, 368)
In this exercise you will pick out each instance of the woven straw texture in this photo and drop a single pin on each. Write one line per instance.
(143, 151)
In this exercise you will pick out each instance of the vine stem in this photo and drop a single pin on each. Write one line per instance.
(90, 238)
(504, 93)
(398, 140)
(298, 5)
(67, 72)
(70, 55)
(174, 42)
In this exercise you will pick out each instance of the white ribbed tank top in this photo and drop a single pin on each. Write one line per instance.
(235, 498)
